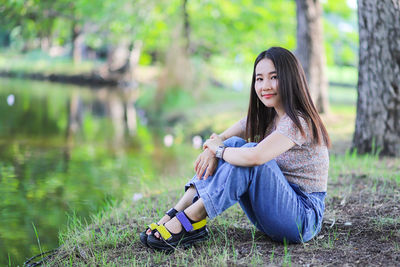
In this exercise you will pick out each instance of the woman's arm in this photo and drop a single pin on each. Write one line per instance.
(269, 148)
(206, 162)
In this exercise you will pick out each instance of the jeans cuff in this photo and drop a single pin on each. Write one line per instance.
(208, 205)
(202, 192)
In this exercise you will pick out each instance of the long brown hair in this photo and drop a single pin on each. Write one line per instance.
(296, 99)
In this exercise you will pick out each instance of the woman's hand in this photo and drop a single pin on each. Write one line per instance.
(213, 143)
(206, 161)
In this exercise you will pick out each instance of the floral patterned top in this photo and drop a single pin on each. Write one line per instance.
(305, 164)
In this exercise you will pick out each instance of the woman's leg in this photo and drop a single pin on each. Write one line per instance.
(183, 203)
(270, 202)
(196, 211)
(290, 213)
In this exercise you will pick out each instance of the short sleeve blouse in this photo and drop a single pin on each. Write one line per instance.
(305, 164)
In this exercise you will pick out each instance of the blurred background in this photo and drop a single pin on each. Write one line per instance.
(103, 101)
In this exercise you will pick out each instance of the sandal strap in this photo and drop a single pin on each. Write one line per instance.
(171, 213)
(184, 220)
(199, 224)
(163, 232)
(152, 226)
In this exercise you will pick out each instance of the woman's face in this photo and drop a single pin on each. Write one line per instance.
(266, 85)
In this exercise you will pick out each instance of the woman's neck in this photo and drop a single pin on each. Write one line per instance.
(280, 113)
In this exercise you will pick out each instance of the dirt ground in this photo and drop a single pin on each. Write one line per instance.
(361, 228)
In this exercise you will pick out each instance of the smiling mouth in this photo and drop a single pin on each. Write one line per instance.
(268, 95)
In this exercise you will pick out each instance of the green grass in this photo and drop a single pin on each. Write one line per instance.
(342, 95)
(112, 236)
(369, 167)
(37, 237)
(342, 74)
(40, 62)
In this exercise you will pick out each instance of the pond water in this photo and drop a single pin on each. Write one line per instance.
(67, 150)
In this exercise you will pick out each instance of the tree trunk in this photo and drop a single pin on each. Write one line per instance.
(378, 105)
(134, 57)
(186, 27)
(77, 43)
(310, 50)
(75, 110)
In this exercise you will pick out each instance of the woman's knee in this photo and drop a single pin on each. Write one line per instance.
(272, 164)
(268, 167)
(250, 144)
(284, 230)
(234, 141)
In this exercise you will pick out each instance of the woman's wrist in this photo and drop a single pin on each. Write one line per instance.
(219, 152)
(209, 151)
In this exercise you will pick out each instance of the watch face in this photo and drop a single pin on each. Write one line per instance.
(218, 152)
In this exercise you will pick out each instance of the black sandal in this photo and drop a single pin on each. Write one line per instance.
(143, 236)
(191, 233)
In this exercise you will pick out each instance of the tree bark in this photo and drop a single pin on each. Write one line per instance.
(186, 27)
(310, 50)
(77, 43)
(75, 110)
(378, 104)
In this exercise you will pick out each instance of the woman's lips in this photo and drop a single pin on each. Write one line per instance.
(268, 96)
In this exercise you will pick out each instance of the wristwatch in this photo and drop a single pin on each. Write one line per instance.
(219, 153)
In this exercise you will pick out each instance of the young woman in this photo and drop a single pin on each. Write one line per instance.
(279, 177)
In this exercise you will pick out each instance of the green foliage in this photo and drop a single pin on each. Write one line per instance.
(338, 7)
(340, 33)
(177, 99)
(227, 28)
(242, 27)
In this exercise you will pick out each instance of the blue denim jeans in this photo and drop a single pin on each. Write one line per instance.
(276, 207)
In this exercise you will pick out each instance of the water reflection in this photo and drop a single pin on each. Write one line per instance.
(115, 104)
(65, 149)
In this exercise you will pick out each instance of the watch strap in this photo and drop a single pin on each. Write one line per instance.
(220, 152)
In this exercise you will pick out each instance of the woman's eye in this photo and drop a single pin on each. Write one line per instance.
(274, 77)
(259, 79)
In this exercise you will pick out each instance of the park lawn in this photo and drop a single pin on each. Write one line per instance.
(361, 226)
(361, 223)
(40, 62)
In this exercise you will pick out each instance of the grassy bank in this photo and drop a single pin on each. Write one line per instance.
(361, 226)
(41, 62)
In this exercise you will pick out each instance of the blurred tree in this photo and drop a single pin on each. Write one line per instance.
(125, 26)
(311, 52)
(378, 106)
(240, 28)
(186, 25)
(221, 30)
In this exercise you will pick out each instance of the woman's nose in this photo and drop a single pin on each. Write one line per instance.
(266, 85)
